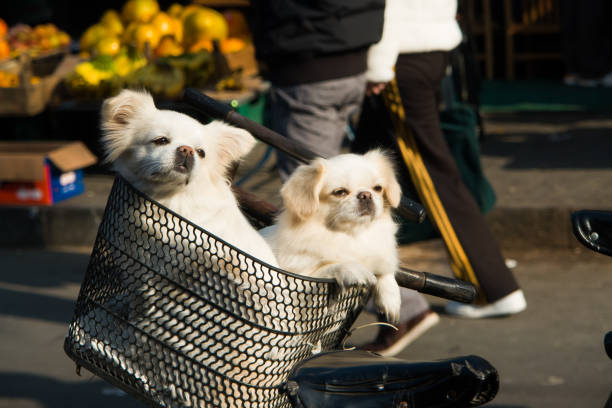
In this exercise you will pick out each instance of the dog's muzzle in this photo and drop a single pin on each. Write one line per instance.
(184, 159)
(366, 203)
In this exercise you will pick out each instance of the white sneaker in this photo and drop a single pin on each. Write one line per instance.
(508, 305)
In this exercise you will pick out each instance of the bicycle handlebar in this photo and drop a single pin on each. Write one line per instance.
(409, 209)
(437, 285)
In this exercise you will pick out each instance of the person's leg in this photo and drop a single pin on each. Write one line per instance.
(415, 319)
(586, 35)
(315, 114)
(418, 76)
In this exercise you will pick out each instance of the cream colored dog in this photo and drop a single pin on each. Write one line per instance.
(182, 164)
(337, 224)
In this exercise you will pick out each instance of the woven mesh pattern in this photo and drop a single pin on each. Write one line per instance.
(178, 317)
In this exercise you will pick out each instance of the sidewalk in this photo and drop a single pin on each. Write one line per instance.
(542, 166)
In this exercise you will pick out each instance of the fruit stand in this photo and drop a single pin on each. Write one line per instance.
(203, 45)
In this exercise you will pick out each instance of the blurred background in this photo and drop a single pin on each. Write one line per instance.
(536, 74)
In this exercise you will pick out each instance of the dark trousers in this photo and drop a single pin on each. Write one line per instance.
(418, 78)
(586, 37)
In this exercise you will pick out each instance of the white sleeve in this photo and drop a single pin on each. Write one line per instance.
(382, 56)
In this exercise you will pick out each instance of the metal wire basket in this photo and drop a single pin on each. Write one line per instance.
(178, 317)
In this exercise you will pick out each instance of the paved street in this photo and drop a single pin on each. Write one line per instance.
(549, 356)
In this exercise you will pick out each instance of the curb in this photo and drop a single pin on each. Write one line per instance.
(533, 228)
(48, 227)
(65, 226)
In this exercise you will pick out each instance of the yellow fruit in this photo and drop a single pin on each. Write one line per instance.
(236, 23)
(124, 65)
(64, 39)
(128, 33)
(110, 14)
(163, 23)
(141, 11)
(54, 41)
(204, 24)
(187, 10)
(145, 33)
(91, 36)
(108, 46)
(90, 74)
(168, 46)
(3, 28)
(8, 79)
(201, 45)
(232, 44)
(5, 50)
(175, 10)
(112, 22)
(178, 29)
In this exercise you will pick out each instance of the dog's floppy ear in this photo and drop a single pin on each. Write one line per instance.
(392, 189)
(117, 113)
(301, 191)
(234, 143)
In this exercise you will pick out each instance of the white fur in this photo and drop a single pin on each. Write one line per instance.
(323, 234)
(130, 124)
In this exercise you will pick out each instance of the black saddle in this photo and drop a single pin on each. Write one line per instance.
(360, 379)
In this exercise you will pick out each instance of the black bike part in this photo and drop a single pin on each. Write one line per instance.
(436, 285)
(608, 344)
(362, 379)
(408, 209)
(593, 229)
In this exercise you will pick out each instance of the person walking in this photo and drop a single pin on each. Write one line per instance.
(315, 56)
(407, 67)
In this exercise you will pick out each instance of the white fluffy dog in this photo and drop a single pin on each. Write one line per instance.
(182, 164)
(337, 224)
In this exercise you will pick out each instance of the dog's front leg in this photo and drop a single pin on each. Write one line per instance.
(387, 297)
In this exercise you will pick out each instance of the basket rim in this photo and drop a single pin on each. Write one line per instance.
(120, 178)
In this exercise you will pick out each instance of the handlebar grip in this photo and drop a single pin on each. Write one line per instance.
(437, 285)
(225, 112)
(207, 104)
(409, 209)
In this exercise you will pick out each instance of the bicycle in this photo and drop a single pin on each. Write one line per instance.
(163, 317)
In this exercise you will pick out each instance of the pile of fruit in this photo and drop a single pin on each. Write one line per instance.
(33, 41)
(163, 51)
(11, 80)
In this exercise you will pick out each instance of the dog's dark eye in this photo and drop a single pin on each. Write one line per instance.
(377, 188)
(160, 141)
(340, 192)
(201, 152)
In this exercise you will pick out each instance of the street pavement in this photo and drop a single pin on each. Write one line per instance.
(551, 355)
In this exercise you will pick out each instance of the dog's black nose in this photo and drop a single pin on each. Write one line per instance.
(185, 150)
(364, 195)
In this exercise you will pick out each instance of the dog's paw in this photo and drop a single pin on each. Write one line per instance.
(351, 274)
(390, 307)
(387, 298)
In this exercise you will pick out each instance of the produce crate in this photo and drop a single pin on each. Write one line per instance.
(29, 99)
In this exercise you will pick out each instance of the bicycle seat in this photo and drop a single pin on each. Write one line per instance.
(359, 379)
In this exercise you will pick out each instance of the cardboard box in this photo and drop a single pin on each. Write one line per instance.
(42, 173)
